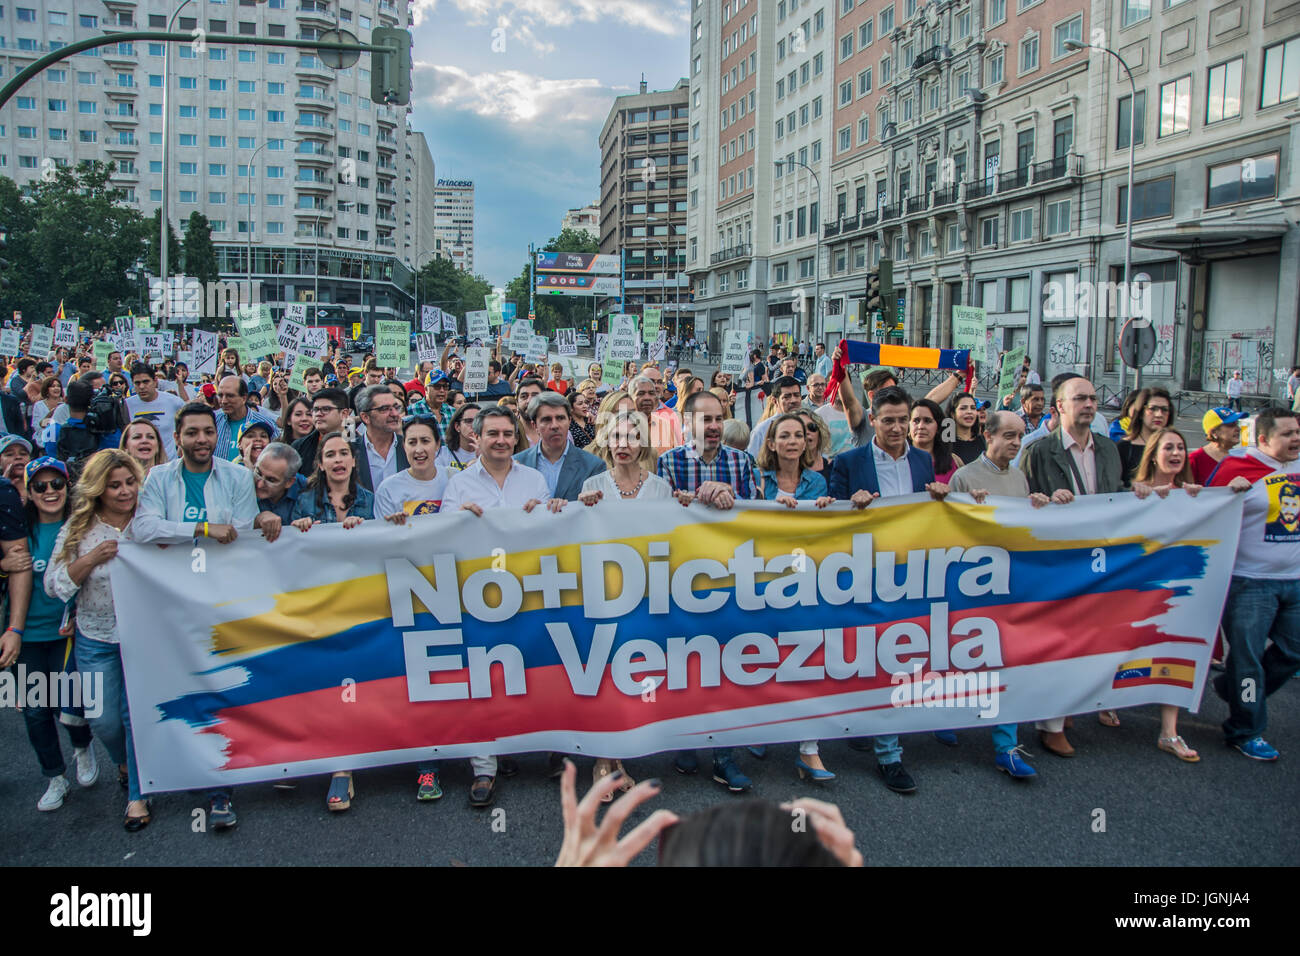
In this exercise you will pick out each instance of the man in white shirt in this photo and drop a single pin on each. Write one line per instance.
(1235, 387)
(494, 480)
(152, 405)
(788, 395)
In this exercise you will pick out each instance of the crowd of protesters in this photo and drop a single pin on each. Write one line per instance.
(139, 452)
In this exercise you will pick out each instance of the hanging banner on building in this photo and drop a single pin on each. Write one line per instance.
(645, 627)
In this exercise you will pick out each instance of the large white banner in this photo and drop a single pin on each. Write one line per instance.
(640, 627)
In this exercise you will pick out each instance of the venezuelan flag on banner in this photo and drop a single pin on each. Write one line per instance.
(633, 628)
(1174, 671)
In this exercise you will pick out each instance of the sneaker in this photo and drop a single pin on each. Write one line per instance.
(1257, 748)
(429, 789)
(728, 774)
(946, 737)
(1012, 764)
(54, 794)
(221, 813)
(896, 778)
(759, 751)
(87, 766)
(686, 762)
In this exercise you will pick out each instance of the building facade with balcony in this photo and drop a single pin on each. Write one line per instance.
(269, 143)
(642, 210)
(583, 219)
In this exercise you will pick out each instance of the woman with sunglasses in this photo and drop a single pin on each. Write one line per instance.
(295, 420)
(334, 497)
(143, 442)
(118, 385)
(416, 490)
(47, 638)
(786, 476)
(461, 447)
(819, 437)
(103, 505)
(582, 430)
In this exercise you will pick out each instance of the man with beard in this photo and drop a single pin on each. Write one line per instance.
(788, 393)
(717, 476)
(198, 495)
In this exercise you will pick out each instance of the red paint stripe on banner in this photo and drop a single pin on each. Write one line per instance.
(1143, 681)
(378, 715)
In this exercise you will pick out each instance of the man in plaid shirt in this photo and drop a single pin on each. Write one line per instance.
(715, 476)
(703, 466)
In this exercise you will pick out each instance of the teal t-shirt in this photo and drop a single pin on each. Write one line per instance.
(232, 452)
(196, 507)
(45, 615)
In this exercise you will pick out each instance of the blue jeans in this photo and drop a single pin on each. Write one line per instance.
(1258, 610)
(1004, 738)
(47, 657)
(888, 749)
(113, 725)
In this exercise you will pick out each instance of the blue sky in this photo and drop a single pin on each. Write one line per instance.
(513, 96)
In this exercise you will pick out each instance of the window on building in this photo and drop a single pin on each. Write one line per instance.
(864, 82)
(996, 12)
(1135, 11)
(1153, 199)
(1018, 294)
(995, 68)
(989, 232)
(1281, 81)
(845, 138)
(1029, 54)
(1223, 99)
(1138, 119)
(1175, 105)
(1254, 177)
(1058, 218)
(1071, 29)
(1022, 224)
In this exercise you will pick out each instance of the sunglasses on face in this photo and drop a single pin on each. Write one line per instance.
(50, 484)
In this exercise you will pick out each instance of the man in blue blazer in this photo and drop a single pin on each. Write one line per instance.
(564, 466)
(886, 467)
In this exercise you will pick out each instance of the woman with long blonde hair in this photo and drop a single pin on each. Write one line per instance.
(102, 507)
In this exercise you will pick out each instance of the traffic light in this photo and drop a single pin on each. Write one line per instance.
(874, 302)
(888, 299)
(390, 73)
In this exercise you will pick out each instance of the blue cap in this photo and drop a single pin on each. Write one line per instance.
(39, 464)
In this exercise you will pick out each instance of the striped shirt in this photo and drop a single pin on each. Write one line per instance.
(684, 470)
(226, 447)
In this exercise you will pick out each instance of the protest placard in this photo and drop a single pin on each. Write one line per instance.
(476, 370)
(566, 341)
(392, 344)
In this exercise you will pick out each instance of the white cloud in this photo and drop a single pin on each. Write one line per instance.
(657, 16)
(515, 96)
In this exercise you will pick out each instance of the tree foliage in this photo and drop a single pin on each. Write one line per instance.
(199, 254)
(556, 311)
(449, 288)
(173, 247)
(71, 237)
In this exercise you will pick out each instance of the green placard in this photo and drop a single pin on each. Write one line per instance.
(611, 373)
(257, 329)
(1011, 362)
(142, 323)
(236, 343)
(495, 305)
(102, 351)
(650, 325)
(968, 323)
(392, 344)
(300, 366)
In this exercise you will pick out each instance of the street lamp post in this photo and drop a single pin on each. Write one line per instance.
(251, 174)
(817, 332)
(417, 282)
(163, 219)
(1128, 214)
(663, 276)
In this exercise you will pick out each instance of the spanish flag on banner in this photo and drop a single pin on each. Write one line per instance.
(60, 316)
(1174, 671)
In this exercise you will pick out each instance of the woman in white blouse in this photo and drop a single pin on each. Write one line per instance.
(624, 444)
(102, 507)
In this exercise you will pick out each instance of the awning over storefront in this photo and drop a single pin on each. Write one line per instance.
(1198, 239)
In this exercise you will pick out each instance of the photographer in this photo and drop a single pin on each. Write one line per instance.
(95, 420)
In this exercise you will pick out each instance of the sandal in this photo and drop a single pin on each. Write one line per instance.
(1108, 717)
(1178, 747)
(136, 824)
(599, 772)
(480, 791)
(340, 794)
(627, 782)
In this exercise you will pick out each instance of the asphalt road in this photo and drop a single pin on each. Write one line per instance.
(1225, 811)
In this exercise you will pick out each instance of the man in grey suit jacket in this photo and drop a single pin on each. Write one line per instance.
(1075, 459)
(564, 466)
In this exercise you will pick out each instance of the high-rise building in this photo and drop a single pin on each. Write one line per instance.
(975, 147)
(269, 143)
(453, 221)
(643, 198)
(583, 219)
